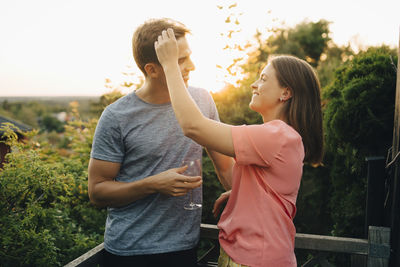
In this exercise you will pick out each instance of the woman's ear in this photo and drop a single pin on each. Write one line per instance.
(153, 70)
(286, 94)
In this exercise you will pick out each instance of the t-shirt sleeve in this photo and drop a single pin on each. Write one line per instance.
(107, 141)
(205, 102)
(257, 144)
(213, 109)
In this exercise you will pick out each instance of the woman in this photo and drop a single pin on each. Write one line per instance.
(256, 226)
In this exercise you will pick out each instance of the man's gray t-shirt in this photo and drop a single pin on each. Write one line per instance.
(147, 139)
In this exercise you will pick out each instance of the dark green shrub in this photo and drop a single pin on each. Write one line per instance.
(358, 122)
(45, 215)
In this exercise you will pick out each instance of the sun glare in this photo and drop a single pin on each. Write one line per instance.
(74, 57)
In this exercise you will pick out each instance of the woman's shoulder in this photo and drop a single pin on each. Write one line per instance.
(275, 129)
(282, 129)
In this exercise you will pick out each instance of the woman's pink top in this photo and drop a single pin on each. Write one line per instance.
(256, 226)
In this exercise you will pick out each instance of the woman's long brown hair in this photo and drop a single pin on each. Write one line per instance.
(303, 110)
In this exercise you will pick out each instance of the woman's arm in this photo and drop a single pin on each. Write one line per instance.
(206, 132)
(223, 198)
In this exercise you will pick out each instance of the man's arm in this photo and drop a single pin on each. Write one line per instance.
(223, 166)
(104, 191)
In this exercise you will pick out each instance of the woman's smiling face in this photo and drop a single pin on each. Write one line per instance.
(266, 92)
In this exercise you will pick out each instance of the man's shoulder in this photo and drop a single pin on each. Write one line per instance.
(199, 93)
(121, 103)
(197, 89)
(115, 111)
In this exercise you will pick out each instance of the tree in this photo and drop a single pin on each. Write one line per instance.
(358, 122)
(331, 59)
(50, 123)
(307, 40)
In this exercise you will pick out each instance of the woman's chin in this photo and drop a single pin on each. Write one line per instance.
(252, 106)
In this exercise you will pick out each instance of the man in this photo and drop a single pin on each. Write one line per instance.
(135, 168)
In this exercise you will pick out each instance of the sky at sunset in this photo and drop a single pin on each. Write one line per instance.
(53, 47)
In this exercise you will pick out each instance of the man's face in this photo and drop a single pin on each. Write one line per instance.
(185, 63)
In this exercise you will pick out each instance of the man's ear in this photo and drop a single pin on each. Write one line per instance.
(153, 70)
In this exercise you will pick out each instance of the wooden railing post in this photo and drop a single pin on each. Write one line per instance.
(375, 193)
(378, 246)
(395, 190)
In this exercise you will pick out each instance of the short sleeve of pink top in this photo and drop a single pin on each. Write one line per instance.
(256, 226)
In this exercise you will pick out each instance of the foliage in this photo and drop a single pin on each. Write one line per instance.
(50, 123)
(358, 122)
(233, 105)
(233, 52)
(97, 108)
(115, 91)
(212, 189)
(307, 40)
(331, 59)
(41, 113)
(313, 201)
(45, 215)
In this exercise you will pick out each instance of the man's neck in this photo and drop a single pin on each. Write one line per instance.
(153, 93)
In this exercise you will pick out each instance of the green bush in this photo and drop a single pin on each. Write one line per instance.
(45, 215)
(358, 122)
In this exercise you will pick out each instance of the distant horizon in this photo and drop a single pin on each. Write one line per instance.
(49, 96)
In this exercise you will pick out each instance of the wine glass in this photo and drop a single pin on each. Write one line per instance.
(194, 169)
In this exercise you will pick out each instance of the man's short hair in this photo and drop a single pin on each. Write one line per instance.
(145, 36)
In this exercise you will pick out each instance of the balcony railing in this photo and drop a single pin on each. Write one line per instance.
(374, 251)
